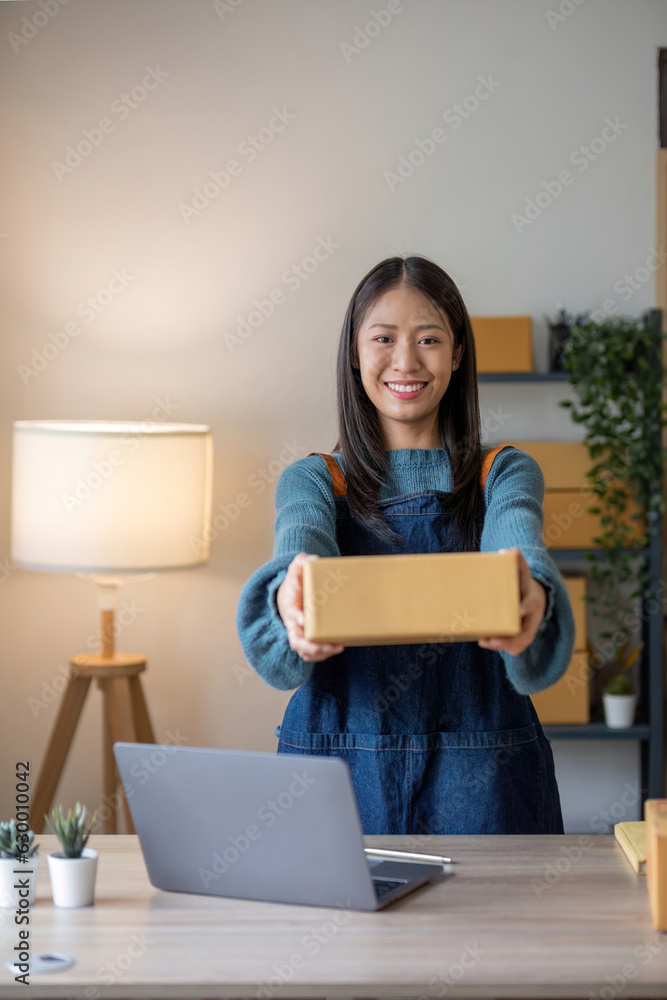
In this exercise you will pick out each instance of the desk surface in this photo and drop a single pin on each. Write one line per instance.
(534, 916)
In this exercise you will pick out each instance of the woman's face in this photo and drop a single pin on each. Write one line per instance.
(405, 342)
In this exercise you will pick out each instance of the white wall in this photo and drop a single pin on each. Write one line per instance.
(218, 76)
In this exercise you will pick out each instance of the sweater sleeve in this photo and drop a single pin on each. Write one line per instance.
(514, 496)
(305, 522)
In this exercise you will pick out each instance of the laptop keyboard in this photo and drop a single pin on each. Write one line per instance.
(384, 885)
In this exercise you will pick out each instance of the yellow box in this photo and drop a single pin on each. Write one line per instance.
(564, 464)
(568, 494)
(576, 590)
(568, 699)
(410, 598)
(503, 343)
(655, 815)
(567, 525)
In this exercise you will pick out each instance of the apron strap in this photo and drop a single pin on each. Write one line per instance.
(336, 473)
(340, 486)
(487, 461)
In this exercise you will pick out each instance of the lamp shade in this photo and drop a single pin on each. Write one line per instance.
(109, 496)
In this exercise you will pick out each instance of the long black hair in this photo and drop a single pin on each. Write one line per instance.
(360, 439)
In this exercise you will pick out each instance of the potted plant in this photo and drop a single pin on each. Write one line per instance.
(560, 331)
(616, 367)
(620, 702)
(13, 847)
(73, 869)
(619, 692)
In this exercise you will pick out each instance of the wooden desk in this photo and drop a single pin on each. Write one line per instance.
(519, 917)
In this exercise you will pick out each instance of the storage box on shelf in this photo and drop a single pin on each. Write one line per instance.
(556, 458)
(568, 700)
(568, 494)
(503, 343)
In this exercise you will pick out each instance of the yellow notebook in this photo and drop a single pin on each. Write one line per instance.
(632, 838)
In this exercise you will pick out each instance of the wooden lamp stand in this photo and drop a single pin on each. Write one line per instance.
(125, 715)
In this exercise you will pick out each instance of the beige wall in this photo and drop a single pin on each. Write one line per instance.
(219, 72)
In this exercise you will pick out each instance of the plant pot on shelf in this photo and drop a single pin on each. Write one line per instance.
(73, 879)
(620, 701)
(559, 334)
(619, 710)
(11, 870)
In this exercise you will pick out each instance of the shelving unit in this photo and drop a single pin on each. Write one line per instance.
(650, 727)
(597, 731)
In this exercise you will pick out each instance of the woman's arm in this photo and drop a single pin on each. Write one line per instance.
(515, 517)
(305, 522)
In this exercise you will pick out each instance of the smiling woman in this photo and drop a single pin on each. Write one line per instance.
(461, 749)
(407, 322)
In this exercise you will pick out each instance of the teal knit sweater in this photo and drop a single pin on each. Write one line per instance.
(306, 522)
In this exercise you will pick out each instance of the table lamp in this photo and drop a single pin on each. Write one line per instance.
(105, 498)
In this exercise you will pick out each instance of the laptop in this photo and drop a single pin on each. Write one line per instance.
(283, 828)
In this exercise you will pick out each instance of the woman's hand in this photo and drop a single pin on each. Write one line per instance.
(289, 598)
(533, 598)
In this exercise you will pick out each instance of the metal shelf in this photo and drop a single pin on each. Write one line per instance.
(565, 555)
(649, 733)
(596, 731)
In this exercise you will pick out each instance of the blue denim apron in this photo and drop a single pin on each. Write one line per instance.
(436, 738)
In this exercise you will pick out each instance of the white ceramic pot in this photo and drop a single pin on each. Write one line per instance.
(619, 710)
(11, 871)
(73, 879)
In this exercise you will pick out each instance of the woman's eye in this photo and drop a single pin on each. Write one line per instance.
(382, 337)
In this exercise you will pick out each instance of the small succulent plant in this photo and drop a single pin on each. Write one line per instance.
(620, 685)
(70, 829)
(12, 842)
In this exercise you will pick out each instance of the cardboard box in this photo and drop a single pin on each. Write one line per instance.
(410, 598)
(655, 815)
(503, 343)
(568, 494)
(576, 591)
(564, 464)
(567, 525)
(567, 700)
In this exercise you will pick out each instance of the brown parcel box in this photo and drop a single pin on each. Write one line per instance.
(564, 464)
(567, 700)
(575, 585)
(503, 343)
(568, 494)
(409, 598)
(568, 525)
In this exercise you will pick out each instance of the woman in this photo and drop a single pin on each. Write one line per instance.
(440, 738)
